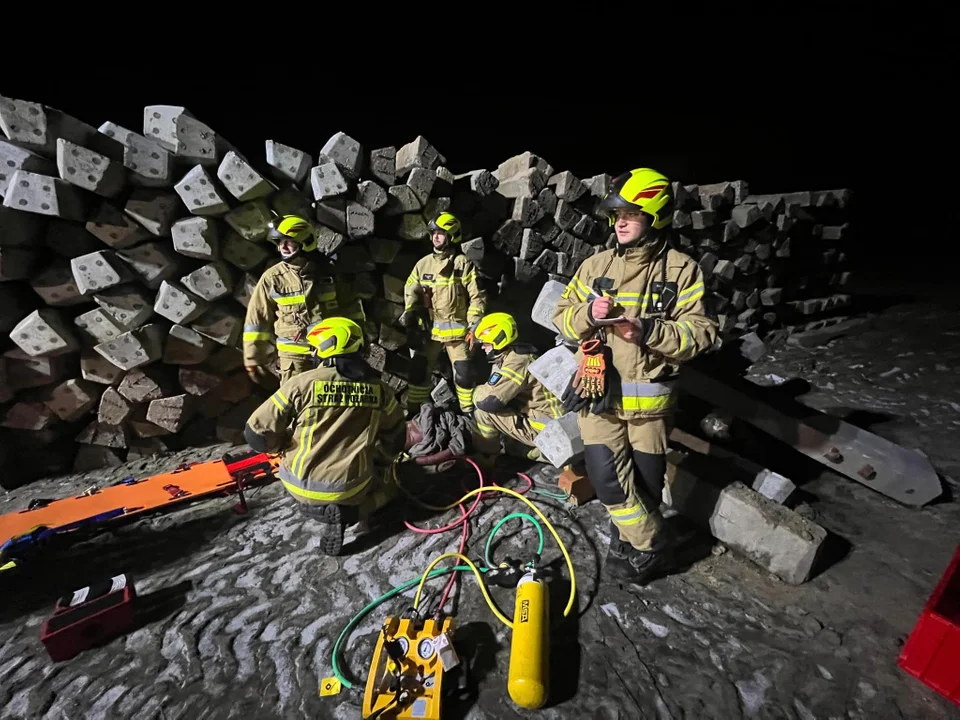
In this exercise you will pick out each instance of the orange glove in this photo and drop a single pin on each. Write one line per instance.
(590, 378)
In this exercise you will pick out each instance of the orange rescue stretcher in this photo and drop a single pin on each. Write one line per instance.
(45, 521)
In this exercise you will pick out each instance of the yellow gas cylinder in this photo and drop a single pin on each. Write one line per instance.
(528, 679)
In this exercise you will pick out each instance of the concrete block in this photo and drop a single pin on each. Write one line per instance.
(567, 186)
(56, 285)
(585, 227)
(95, 457)
(383, 251)
(327, 181)
(155, 210)
(143, 385)
(171, 413)
(401, 199)
(235, 388)
(481, 182)
(148, 163)
(99, 271)
(36, 127)
(773, 486)
(210, 282)
(290, 201)
(554, 369)
(23, 230)
(96, 368)
(391, 338)
(545, 303)
(116, 132)
(25, 371)
(371, 195)
(526, 211)
(421, 181)
(383, 165)
(745, 215)
(287, 162)
(99, 326)
(329, 241)
(241, 180)
(200, 194)
(436, 205)
(512, 167)
(716, 195)
(89, 170)
(474, 249)
(418, 153)
(110, 436)
(531, 244)
(177, 304)
(524, 271)
(130, 305)
(508, 238)
(250, 220)
(353, 259)
(178, 131)
(186, 346)
(44, 195)
(242, 253)
(443, 395)
(413, 227)
(560, 440)
(16, 263)
(73, 399)
(152, 263)
(29, 415)
(198, 382)
(725, 270)
(360, 221)
(221, 323)
(346, 152)
(114, 228)
(13, 158)
(525, 184)
(703, 219)
(548, 261)
(393, 288)
(332, 213)
(44, 333)
(135, 347)
(244, 288)
(774, 537)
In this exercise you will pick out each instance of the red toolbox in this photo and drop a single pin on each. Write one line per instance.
(932, 652)
(89, 616)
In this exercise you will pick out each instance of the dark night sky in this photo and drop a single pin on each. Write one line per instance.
(866, 115)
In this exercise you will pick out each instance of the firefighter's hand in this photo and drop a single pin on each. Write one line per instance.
(600, 308)
(258, 374)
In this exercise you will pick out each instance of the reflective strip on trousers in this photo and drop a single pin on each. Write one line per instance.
(646, 396)
(321, 492)
(630, 515)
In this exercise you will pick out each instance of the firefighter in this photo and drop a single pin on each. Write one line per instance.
(442, 297)
(638, 311)
(289, 297)
(512, 401)
(330, 423)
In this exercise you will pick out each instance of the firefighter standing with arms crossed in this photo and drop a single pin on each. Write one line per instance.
(289, 297)
(512, 401)
(638, 311)
(330, 423)
(442, 297)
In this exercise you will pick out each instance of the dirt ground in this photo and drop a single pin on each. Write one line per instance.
(243, 611)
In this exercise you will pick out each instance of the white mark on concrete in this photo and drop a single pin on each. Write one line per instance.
(892, 371)
(611, 610)
(803, 712)
(826, 674)
(867, 690)
(715, 659)
(105, 702)
(661, 631)
(753, 692)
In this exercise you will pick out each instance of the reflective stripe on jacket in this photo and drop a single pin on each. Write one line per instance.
(681, 328)
(446, 284)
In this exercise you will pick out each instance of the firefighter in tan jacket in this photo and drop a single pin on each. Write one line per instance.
(290, 297)
(442, 297)
(330, 423)
(638, 311)
(512, 401)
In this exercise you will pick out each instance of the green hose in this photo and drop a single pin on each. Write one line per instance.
(379, 601)
(522, 516)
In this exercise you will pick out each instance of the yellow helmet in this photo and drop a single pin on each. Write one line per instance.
(335, 336)
(448, 223)
(497, 329)
(642, 189)
(293, 227)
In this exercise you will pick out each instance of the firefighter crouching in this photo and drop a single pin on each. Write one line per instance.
(512, 402)
(442, 298)
(653, 299)
(330, 423)
(289, 297)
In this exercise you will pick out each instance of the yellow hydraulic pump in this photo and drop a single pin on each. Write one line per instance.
(528, 678)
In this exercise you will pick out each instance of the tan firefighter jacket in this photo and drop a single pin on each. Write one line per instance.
(290, 297)
(327, 426)
(446, 285)
(512, 389)
(639, 279)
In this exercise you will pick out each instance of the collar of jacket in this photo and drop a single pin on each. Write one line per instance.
(447, 252)
(642, 251)
(298, 261)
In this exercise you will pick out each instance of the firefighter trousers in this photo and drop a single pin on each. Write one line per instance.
(488, 426)
(293, 365)
(419, 392)
(626, 464)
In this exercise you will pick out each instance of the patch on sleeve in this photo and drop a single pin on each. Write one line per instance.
(494, 379)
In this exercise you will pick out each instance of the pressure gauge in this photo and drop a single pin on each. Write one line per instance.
(404, 643)
(425, 648)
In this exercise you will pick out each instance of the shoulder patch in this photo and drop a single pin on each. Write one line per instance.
(494, 379)
(427, 276)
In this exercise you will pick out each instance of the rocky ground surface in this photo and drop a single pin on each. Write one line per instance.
(243, 612)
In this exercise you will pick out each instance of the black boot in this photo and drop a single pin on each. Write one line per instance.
(334, 519)
(624, 562)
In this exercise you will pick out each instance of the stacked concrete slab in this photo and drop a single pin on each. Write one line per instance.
(133, 252)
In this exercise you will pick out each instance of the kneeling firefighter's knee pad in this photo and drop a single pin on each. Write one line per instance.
(651, 467)
(602, 471)
(418, 370)
(463, 373)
